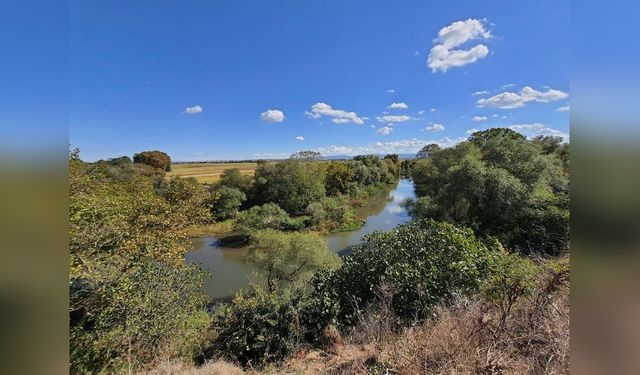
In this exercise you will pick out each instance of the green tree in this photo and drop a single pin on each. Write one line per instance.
(228, 202)
(156, 159)
(266, 216)
(338, 179)
(427, 151)
(291, 184)
(500, 184)
(234, 178)
(289, 258)
(131, 295)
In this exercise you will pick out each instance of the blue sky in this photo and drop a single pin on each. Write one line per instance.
(210, 80)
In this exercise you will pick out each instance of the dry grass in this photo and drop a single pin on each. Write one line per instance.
(208, 172)
(210, 368)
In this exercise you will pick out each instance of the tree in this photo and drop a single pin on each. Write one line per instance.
(131, 295)
(156, 159)
(189, 197)
(306, 155)
(291, 184)
(339, 176)
(266, 216)
(289, 258)
(427, 151)
(500, 184)
(234, 178)
(393, 157)
(228, 202)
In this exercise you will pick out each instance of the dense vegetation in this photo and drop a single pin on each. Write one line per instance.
(132, 298)
(500, 184)
(485, 206)
(155, 159)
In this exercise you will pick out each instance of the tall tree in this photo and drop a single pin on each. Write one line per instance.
(156, 159)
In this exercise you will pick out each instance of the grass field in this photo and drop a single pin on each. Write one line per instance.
(208, 173)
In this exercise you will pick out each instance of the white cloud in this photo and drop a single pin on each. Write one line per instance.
(508, 85)
(565, 108)
(444, 55)
(433, 109)
(406, 146)
(494, 115)
(508, 100)
(193, 110)
(391, 91)
(472, 130)
(338, 116)
(385, 130)
(479, 118)
(435, 128)
(390, 118)
(300, 138)
(536, 129)
(398, 106)
(421, 112)
(272, 115)
(483, 92)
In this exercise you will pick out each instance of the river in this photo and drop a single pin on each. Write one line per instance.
(231, 271)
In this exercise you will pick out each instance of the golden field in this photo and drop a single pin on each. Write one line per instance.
(208, 173)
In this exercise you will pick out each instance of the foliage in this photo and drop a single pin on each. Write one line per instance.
(131, 295)
(234, 178)
(333, 214)
(512, 278)
(191, 198)
(427, 151)
(500, 184)
(339, 177)
(424, 262)
(258, 328)
(156, 159)
(289, 258)
(266, 216)
(307, 155)
(406, 168)
(228, 202)
(291, 184)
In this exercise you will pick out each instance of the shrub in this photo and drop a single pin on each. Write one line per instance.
(289, 258)
(512, 278)
(267, 216)
(424, 262)
(257, 328)
(228, 202)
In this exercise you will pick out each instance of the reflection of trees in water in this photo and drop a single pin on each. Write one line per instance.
(374, 205)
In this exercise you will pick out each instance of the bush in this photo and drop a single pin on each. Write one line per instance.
(424, 262)
(289, 258)
(512, 278)
(228, 202)
(156, 159)
(257, 328)
(267, 216)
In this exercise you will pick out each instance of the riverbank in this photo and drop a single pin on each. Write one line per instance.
(231, 271)
(353, 215)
